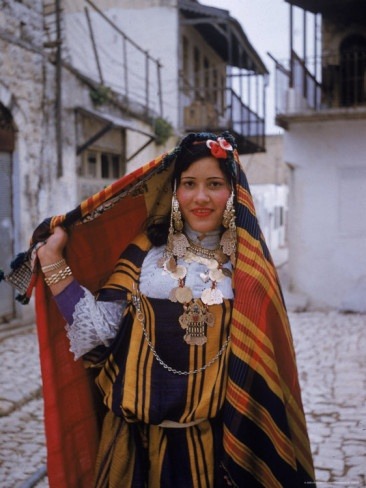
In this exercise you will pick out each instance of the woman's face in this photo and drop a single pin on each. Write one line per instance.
(202, 194)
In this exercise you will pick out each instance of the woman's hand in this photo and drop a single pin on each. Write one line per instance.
(52, 250)
(52, 253)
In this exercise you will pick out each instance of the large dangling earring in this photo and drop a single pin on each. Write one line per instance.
(176, 216)
(228, 217)
(177, 242)
(228, 238)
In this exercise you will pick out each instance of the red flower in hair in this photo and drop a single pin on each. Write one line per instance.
(219, 148)
(224, 144)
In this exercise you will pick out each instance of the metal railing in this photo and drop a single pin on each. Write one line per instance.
(305, 83)
(244, 121)
(344, 79)
(106, 54)
(342, 83)
(219, 108)
(282, 84)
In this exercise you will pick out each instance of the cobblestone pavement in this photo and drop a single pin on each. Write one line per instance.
(331, 355)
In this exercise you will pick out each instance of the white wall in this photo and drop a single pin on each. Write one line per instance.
(268, 199)
(154, 29)
(327, 209)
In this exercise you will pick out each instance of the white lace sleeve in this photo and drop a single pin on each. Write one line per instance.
(94, 323)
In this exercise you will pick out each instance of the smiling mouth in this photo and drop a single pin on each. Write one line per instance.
(201, 212)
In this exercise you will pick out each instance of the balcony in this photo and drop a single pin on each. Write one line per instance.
(340, 86)
(219, 109)
(100, 53)
(222, 78)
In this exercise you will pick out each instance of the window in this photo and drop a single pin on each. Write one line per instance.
(186, 71)
(102, 165)
(206, 75)
(215, 86)
(352, 70)
(91, 165)
(278, 217)
(197, 71)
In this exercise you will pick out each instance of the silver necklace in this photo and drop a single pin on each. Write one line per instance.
(203, 252)
(141, 317)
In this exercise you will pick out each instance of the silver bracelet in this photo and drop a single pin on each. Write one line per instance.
(52, 267)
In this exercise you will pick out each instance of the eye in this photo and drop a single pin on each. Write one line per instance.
(187, 183)
(216, 184)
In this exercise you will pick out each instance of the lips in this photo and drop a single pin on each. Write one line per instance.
(201, 212)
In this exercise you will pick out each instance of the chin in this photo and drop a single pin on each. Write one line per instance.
(204, 227)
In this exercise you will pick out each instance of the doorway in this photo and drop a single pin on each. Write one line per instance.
(353, 71)
(7, 141)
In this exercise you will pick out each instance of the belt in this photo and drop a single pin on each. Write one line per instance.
(170, 424)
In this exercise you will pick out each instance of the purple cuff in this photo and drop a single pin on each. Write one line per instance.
(68, 298)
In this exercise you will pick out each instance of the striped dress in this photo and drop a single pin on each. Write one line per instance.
(137, 447)
(265, 438)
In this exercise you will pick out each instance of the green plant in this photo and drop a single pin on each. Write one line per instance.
(163, 130)
(100, 94)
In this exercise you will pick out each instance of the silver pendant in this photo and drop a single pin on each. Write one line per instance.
(212, 296)
(183, 294)
(194, 320)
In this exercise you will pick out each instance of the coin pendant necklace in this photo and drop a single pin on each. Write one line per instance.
(196, 316)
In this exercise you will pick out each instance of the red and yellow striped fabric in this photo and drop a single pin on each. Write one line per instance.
(265, 436)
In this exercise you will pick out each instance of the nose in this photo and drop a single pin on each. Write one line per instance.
(202, 194)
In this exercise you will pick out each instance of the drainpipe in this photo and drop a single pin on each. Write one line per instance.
(305, 41)
(315, 60)
(291, 45)
(58, 104)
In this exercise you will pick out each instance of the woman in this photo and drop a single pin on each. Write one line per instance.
(198, 378)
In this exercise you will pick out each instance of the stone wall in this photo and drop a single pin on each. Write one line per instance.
(28, 80)
(21, 92)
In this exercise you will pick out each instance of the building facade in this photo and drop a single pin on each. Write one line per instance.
(268, 177)
(91, 90)
(321, 104)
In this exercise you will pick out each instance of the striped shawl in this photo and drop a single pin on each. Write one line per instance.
(265, 436)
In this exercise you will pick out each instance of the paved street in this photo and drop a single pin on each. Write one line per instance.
(331, 353)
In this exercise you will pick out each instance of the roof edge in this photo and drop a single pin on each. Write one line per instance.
(236, 28)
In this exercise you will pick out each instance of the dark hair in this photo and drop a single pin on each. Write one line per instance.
(189, 154)
(192, 148)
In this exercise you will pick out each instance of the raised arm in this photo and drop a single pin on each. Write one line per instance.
(57, 273)
(90, 323)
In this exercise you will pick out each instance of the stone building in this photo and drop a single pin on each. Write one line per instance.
(90, 90)
(321, 104)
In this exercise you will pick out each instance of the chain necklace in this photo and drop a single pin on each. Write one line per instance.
(202, 251)
(141, 317)
(196, 316)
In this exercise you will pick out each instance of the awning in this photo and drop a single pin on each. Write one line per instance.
(223, 33)
(110, 122)
(345, 10)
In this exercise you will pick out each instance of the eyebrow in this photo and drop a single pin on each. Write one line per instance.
(208, 178)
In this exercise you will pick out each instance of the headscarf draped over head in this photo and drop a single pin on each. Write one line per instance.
(265, 436)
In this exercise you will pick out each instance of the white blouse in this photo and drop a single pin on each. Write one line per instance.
(95, 322)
